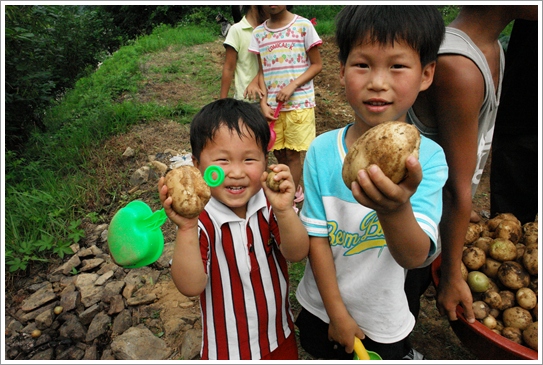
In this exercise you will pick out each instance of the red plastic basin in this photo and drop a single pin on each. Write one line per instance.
(479, 339)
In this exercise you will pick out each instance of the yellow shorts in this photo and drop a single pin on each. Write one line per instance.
(295, 129)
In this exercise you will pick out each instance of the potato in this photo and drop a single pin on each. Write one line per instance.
(529, 335)
(473, 257)
(526, 298)
(386, 145)
(494, 222)
(530, 237)
(490, 268)
(489, 321)
(464, 271)
(492, 298)
(473, 232)
(502, 250)
(508, 299)
(530, 260)
(516, 317)
(509, 230)
(513, 334)
(478, 282)
(512, 275)
(521, 248)
(272, 184)
(480, 309)
(188, 190)
(483, 243)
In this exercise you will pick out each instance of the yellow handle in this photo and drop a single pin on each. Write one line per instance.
(360, 349)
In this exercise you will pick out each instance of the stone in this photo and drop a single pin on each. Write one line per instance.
(139, 343)
(99, 325)
(39, 298)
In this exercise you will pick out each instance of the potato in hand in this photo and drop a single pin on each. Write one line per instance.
(386, 145)
(188, 190)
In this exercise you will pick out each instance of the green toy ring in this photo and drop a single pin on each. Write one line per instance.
(208, 176)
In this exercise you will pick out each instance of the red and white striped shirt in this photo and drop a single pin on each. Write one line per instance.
(245, 308)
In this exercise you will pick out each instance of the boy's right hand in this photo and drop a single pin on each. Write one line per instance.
(180, 221)
(343, 332)
(376, 191)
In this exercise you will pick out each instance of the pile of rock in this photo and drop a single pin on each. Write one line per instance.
(91, 309)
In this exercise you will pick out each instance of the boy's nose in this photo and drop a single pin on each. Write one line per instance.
(378, 81)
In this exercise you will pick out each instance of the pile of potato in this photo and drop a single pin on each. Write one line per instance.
(500, 265)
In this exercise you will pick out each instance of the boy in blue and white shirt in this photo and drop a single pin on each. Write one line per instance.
(363, 240)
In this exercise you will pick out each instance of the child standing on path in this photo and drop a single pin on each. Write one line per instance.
(287, 45)
(240, 65)
(363, 240)
(234, 255)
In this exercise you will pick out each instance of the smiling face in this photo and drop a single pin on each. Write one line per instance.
(243, 162)
(382, 81)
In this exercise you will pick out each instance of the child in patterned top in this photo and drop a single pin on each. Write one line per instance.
(287, 45)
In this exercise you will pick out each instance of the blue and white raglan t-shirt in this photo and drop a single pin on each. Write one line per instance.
(371, 282)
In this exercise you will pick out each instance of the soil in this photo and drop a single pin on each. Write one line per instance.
(432, 335)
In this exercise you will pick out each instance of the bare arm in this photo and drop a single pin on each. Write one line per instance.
(342, 328)
(456, 97)
(228, 70)
(406, 240)
(187, 267)
(294, 239)
(316, 66)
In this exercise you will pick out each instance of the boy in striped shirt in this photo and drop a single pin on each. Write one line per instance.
(234, 255)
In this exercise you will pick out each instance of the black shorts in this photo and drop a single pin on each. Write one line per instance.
(314, 340)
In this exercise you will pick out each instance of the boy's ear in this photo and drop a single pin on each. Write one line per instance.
(195, 161)
(427, 75)
(342, 73)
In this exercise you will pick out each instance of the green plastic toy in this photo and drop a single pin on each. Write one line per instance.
(135, 238)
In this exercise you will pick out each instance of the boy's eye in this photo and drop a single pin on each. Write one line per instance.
(362, 65)
(398, 66)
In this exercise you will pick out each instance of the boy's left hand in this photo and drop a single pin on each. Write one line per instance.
(281, 200)
(376, 191)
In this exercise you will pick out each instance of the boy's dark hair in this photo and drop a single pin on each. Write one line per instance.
(421, 27)
(228, 112)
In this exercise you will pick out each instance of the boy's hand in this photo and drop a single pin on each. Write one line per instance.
(280, 200)
(343, 332)
(376, 191)
(180, 221)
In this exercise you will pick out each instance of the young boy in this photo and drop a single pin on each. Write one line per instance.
(234, 255)
(370, 235)
(459, 111)
(240, 65)
(287, 46)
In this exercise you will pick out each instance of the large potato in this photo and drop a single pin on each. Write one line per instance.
(188, 190)
(530, 335)
(473, 257)
(386, 145)
(510, 230)
(516, 317)
(513, 276)
(503, 250)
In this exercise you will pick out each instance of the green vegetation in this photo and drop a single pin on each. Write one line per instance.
(50, 181)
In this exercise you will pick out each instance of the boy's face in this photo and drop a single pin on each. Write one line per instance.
(243, 162)
(382, 82)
